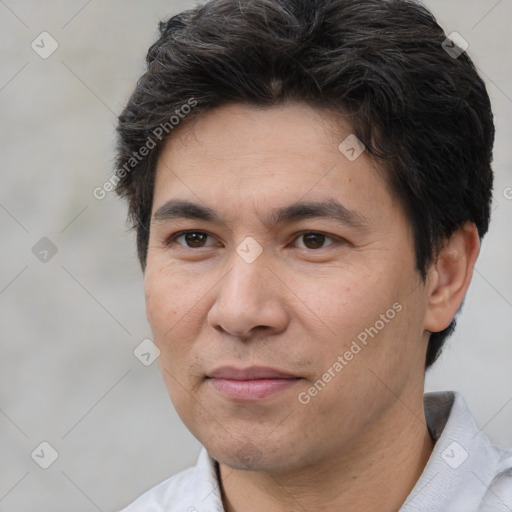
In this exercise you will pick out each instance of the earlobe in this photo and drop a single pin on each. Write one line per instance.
(450, 277)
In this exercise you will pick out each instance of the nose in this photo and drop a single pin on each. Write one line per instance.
(250, 299)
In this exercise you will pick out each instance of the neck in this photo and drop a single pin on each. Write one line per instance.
(376, 473)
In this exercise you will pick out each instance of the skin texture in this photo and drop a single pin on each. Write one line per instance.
(361, 442)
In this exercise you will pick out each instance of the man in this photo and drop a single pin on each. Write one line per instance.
(310, 181)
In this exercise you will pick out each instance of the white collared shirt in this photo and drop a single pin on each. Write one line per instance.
(465, 472)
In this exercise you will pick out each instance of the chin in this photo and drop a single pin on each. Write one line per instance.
(246, 455)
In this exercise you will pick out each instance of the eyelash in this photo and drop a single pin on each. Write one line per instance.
(171, 240)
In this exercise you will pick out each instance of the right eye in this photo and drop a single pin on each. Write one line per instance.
(192, 239)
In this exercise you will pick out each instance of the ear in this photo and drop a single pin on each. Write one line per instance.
(449, 277)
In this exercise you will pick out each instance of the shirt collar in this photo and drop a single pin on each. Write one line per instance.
(463, 462)
(458, 471)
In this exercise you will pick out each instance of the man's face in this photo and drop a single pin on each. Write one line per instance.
(339, 308)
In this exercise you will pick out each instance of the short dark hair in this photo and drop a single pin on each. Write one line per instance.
(421, 111)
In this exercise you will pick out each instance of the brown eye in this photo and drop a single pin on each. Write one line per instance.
(193, 239)
(313, 239)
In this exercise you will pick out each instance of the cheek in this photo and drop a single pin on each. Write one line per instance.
(175, 313)
(164, 305)
(163, 311)
(343, 301)
(157, 301)
(369, 326)
(166, 291)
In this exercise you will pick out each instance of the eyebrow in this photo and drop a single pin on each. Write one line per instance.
(327, 209)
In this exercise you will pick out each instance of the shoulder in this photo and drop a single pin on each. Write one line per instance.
(466, 471)
(499, 488)
(184, 492)
(176, 491)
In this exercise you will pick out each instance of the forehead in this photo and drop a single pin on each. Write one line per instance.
(240, 153)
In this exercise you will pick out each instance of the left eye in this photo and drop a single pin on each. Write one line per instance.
(314, 238)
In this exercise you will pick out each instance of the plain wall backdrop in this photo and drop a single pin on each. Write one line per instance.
(70, 321)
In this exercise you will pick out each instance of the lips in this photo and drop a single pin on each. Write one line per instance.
(249, 384)
(251, 373)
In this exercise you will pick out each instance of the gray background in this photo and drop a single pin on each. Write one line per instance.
(69, 325)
